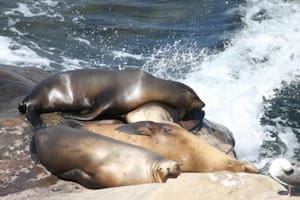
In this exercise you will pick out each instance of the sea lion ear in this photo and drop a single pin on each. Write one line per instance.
(183, 90)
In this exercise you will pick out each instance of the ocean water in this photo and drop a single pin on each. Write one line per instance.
(241, 56)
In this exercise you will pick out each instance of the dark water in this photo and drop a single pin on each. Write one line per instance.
(282, 111)
(235, 54)
(92, 33)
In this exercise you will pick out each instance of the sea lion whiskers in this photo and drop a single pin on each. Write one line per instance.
(161, 170)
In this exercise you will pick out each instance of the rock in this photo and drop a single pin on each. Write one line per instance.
(191, 186)
(218, 136)
(17, 171)
(15, 82)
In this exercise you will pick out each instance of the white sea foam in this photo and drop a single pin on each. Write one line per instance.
(261, 56)
(36, 8)
(74, 63)
(12, 53)
(124, 54)
(233, 82)
(87, 42)
(24, 10)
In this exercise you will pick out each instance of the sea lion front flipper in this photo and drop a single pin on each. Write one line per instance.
(34, 118)
(138, 128)
(191, 125)
(72, 123)
(33, 151)
(196, 116)
(93, 112)
(79, 176)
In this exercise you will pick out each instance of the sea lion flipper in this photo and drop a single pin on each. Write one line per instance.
(191, 125)
(93, 112)
(34, 118)
(72, 123)
(33, 151)
(78, 116)
(138, 128)
(79, 176)
(128, 128)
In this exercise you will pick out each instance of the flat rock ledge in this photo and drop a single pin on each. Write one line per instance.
(191, 186)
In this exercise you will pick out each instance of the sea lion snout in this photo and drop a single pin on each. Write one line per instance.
(242, 167)
(22, 107)
(168, 169)
(250, 168)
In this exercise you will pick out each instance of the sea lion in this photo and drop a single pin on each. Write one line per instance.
(96, 161)
(163, 113)
(153, 111)
(85, 94)
(213, 133)
(172, 142)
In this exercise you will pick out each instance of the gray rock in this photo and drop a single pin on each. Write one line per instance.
(218, 136)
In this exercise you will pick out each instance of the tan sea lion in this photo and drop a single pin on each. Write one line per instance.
(163, 113)
(96, 161)
(172, 142)
(213, 133)
(89, 93)
(153, 111)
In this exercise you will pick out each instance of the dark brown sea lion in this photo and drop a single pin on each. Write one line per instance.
(90, 93)
(97, 161)
(172, 142)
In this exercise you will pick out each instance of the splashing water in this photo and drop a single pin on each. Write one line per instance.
(258, 58)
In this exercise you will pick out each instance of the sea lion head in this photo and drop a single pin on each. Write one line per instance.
(193, 98)
(190, 99)
(164, 169)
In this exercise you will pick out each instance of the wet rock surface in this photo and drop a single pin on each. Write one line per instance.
(17, 170)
